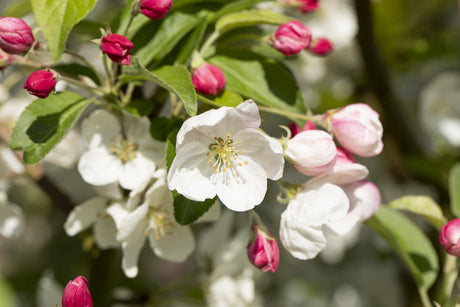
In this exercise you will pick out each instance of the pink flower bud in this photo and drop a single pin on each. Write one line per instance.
(208, 79)
(308, 5)
(76, 293)
(449, 237)
(155, 9)
(309, 126)
(15, 35)
(118, 48)
(263, 250)
(294, 128)
(358, 129)
(40, 83)
(291, 38)
(364, 198)
(312, 152)
(321, 46)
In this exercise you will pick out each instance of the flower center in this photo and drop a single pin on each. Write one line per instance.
(224, 154)
(124, 150)
(161, 222)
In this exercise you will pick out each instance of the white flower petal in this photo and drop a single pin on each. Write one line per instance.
(131, 247)
(302, 242)
(118, 212)
(264, 150)
(105, 232)
(190, 173)
(158, 195)
(136, 172)
(84, 215)
(174, 246)
(100, 129)
(99, 168)
(129, 222)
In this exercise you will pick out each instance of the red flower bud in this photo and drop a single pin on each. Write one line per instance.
(449, 237)
(40, 83)
(155, 9)
(208, 79)
(76, 293)
(263, 250)
(291, 38)
(321, 46)
(117, 47)
(15, 35)
(308, 5)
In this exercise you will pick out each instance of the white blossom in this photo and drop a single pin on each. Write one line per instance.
(221, 152)
(121, 152)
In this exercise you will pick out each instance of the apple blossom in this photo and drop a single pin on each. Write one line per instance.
(221, 152)
(15, 35)
(121, 152)
(449, 237)
(312, 152)
(40, 83)
(316, 210)
(291, 38)
(357, 128)
(364, 198)
(76, 293)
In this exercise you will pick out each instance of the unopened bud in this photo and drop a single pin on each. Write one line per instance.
(16, 36)
(118, 48)
(291, 38)
(321, 46)
(76, 293)
(40, 83)
(208, 79)
(449, 237)
(155, 9)
(263, 251)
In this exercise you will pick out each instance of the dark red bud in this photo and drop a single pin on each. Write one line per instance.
(155, 9)
(76, 293)
(208, 79)
(16, 36)
(40, 83)
(118, 48)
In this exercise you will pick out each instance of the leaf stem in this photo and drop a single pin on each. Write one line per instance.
(426, 302)
(208, 43)
(450, 271)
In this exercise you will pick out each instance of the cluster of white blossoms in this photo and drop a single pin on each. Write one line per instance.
(223, 153)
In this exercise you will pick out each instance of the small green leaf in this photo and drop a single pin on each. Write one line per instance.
(171, 31)
(235, 6)
(140, 107)
(44, 123)
(226, 98)
(421, 205)
(187, 211)
(192, 43)
(266, 81)
(57, 17)
(76, 70)
(454, 189)
(249, 18)
(161, 127)
(175, 79)
(409, 242)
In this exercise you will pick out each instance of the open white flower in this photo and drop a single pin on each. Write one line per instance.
(11, 218)
(99, 213)
(221, 152)
(315, 211)
(154, 219)
(118, 152)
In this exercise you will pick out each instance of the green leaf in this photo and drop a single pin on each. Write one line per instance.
(226, 98)
(235, 6)
(175, 79)
(140, 107)
(161, 127)
(264, 80)
(76, 70)
(409, 242)
(7, 297)
(57, 17)
(249, 18)
(187, 211)
(44, 123)
(193, 42)
(171, 31)
(421, 205)
(17, 8)
(454, 189)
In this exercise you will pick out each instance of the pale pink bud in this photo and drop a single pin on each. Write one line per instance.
(15, 35)
(118, 48)
(358, 129)
(263, 250)
(291, 38)
(40, 83)
(312, 152)
(364, 198)
(76, 293)
(155, 9)
(321, 46)
(449, 237)
(208, 79)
